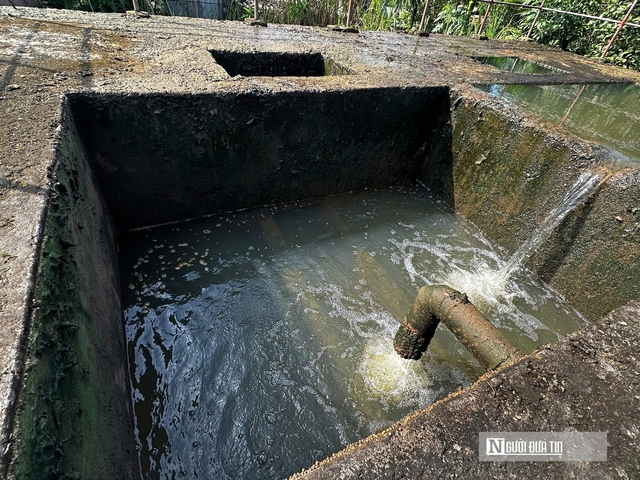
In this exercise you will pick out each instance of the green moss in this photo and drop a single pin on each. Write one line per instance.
(66, 427)
(44, 424)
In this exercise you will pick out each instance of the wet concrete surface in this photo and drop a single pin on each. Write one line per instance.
(46, 53)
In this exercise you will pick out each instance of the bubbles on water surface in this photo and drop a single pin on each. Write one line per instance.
(293, 350)
(483, 287)
(388, 376)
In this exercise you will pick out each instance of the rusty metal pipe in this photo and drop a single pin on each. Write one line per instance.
(535, 20)
(440, 303)
(424, 15)
(555, 10)
(484, 17)
(349, 12)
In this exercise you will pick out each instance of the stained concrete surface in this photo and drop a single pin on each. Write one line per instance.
(301, 145)
(45, 53)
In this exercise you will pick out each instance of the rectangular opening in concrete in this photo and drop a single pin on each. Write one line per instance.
(277, 64)
(127, 162)
(517, 65)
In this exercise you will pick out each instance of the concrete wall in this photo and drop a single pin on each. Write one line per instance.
(507, 174)
(594, 256)
(167, 158)
(74, 417)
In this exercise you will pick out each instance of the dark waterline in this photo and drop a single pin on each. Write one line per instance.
(516, 65)
(260, 341)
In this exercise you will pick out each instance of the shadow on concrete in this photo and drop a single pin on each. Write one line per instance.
(21, 186)
(14, 62)
(557, 248)
(437, 170)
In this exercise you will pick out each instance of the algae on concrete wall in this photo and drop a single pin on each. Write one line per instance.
(75, 418)
(508, 174)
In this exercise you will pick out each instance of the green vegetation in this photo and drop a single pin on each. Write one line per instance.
(159, 7)
(586, 36)
(574, 34)
(579, 35)
(108, 6)
(301, 12)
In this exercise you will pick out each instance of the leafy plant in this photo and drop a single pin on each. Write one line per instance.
(301, 12)
(567, 32)
(109, 6)
(453, 20)
(238, 9)
(389, 15)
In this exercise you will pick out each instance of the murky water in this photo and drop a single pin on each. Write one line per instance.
(261, 341)
(516, 65)
(606, 113)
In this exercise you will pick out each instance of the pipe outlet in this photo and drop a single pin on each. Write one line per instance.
(440, 303)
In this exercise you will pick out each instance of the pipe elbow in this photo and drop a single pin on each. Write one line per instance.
(442, 303)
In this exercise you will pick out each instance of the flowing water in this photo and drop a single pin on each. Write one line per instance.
(607, 113)
(585, 186)
(261, 341)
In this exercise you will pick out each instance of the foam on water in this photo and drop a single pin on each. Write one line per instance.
(486, 287)
(392, 380)
(470, 266)
(261, 341)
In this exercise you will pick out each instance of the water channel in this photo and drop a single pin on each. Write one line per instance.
(261, 341)
(516, 65)
(607, 113)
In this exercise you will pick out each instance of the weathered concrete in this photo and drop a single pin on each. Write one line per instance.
(76, 416)
(46, 53)
(162, 159)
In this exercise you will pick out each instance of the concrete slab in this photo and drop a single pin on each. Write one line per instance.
(45, 53)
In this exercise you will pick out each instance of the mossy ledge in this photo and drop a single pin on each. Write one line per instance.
(74, 418)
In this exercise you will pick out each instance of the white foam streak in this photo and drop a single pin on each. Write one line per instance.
(586, 184)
